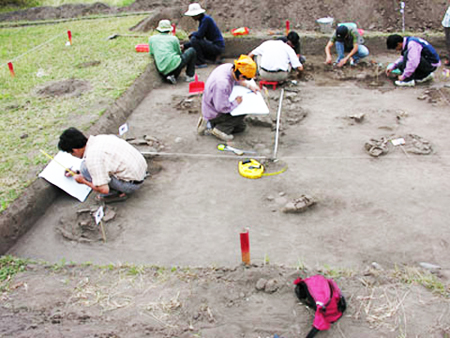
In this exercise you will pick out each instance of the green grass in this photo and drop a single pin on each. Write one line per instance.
(9, 266)
(413, 275)
(55, 3)
(31, 122)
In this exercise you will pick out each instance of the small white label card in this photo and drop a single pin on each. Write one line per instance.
(99, 214)
(123, 129)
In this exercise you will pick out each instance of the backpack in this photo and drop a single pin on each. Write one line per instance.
(324, 296)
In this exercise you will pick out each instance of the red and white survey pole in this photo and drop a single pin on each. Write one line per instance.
(69, 34)
(11, 69)
(245, 246)
(288, 28)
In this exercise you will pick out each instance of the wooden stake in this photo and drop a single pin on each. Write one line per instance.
(102, 228)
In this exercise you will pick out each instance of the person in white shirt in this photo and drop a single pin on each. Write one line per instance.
(275, 59)
(446, 24)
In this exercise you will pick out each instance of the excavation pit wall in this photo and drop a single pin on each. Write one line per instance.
(24, 212)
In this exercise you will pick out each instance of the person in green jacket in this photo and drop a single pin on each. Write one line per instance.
(166, 51)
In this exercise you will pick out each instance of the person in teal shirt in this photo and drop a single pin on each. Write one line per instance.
(348, 40)
(169, 59)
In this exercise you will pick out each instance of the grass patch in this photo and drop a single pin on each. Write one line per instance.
(31, 122)
(9, 266)
(115, 3)
(413, 275)
(14, 5)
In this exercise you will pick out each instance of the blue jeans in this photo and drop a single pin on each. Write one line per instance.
(361, 53)
(114, 184)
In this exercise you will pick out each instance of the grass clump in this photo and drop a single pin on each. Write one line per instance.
(40, 56)
(9, 266)
(14, 5)
(413, 275)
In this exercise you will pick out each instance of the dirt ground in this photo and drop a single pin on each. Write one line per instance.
(133, 302)
(371, 213)
(379, 225)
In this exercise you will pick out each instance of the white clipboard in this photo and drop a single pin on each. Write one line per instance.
(252, 103)
(55, 174)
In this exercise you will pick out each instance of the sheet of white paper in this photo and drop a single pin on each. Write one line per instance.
(252, 103)
(54, 173)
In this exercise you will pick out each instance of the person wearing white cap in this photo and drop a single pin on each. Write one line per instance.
(165, 49)
(207, 41)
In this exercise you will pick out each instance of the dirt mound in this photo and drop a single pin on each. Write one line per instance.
(68, 88)
(371, 15)
(258, 301)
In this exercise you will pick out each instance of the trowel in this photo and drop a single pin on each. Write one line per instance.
(224, 147)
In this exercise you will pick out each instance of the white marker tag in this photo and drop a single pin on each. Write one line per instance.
(123, 129)
(398, 141)
(99, 215)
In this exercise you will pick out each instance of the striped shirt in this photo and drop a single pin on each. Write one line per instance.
(108, 155)
(446, 20)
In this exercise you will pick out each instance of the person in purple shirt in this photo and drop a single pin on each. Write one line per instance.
(216, 107)
(207, 41)
(418, 61)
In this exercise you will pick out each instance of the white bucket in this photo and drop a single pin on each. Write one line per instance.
(325, 24)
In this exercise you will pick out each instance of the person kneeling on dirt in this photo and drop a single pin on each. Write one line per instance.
(110, 166)
(347, 39)
(216, 107)
(418, 61)
(166, 51)
(293, 40)
(207, 41)
(275, 59)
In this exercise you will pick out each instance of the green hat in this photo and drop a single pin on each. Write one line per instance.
(164, 26)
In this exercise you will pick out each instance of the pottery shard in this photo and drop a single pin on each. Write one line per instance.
(261, 284)
(299, 205)
(272, 286)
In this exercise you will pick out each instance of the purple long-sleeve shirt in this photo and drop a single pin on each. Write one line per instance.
(414, 54)
(217, 92)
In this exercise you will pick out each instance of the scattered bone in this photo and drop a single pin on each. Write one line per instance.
(357, 117)
(299, 205)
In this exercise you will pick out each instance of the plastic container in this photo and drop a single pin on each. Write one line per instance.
(325, 25)
(142, 48)
(240, 31)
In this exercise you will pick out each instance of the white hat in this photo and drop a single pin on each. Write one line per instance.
(164, 26)
(194, 9)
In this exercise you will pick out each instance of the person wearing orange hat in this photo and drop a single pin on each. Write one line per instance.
(216, 107)
(207, 41)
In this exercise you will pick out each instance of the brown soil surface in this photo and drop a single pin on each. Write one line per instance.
(192, 209)
(371, 213)
(259, 301)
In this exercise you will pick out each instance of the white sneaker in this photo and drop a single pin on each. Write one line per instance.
(411, 83)
(427, 78)
(221, 135)
(190, 78)
(171, 79)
